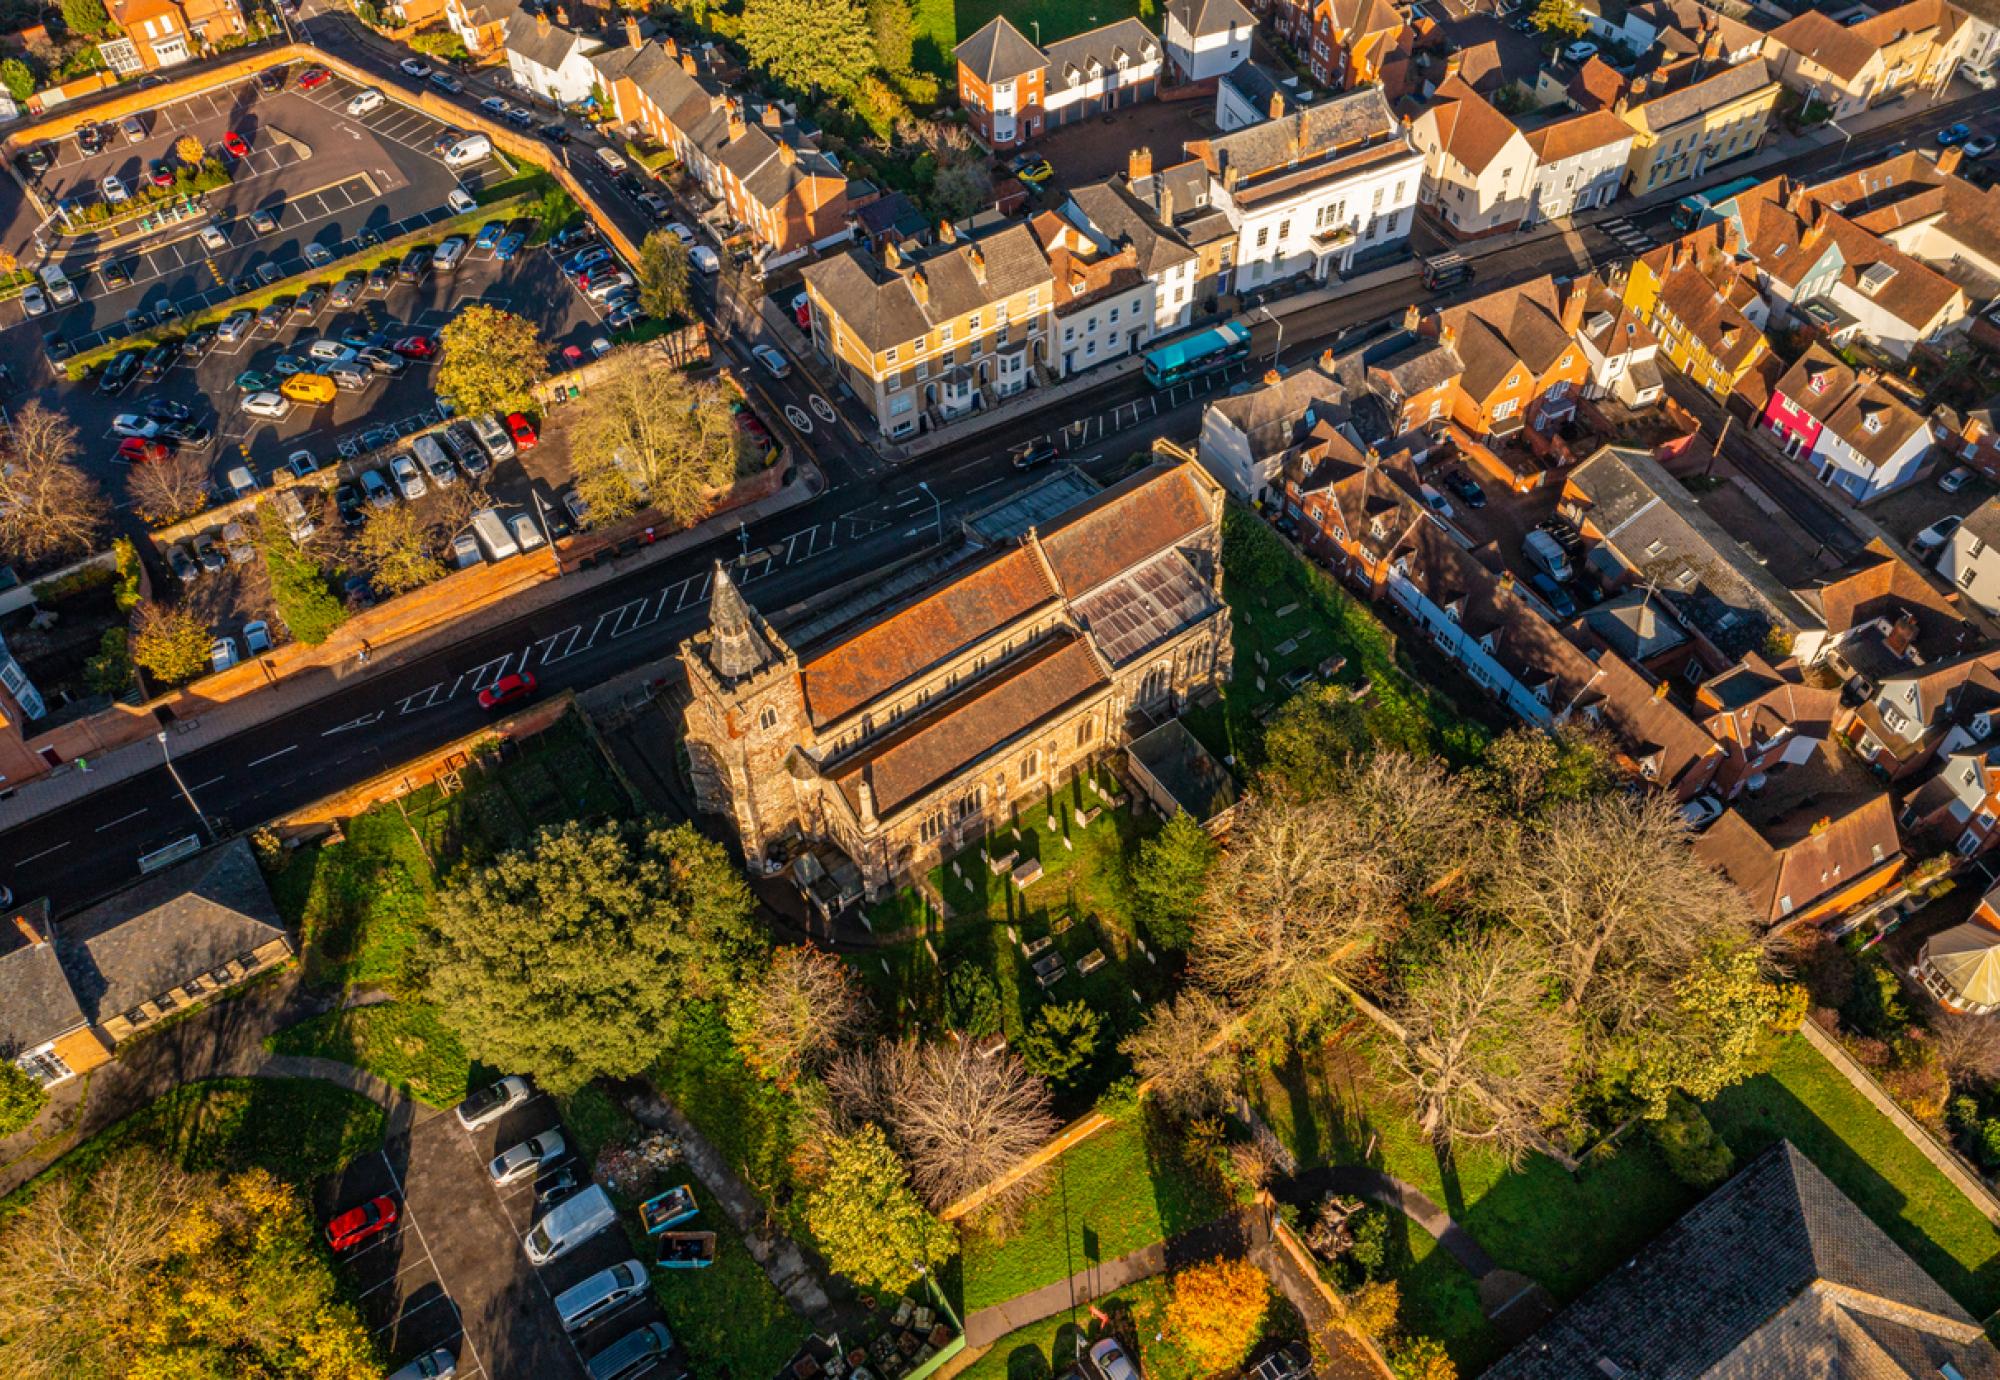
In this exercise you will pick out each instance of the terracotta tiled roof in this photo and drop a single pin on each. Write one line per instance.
(855, 671)
(1518, 325)
(1834, 46)
(1122, 526)
(1579, 134)
(950, 739)
(1798, 862)
(1469, 129)
(1882, 585)
(1915, 295)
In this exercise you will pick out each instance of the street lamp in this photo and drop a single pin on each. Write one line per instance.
(548, 533)
(186, 794)
(1846, 137)
(1277, 349)
(924, 484)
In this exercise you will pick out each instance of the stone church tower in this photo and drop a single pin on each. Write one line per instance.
(747, 714)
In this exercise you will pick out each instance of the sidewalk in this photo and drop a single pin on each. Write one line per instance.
(340, 670)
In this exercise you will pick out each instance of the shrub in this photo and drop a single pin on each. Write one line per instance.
(109, 671)
(171, 644)
(972, 1001)
(1370, 1248)
(1217, 1310)
(1875, 1007)
(1692, 1150)
(127, 593)
(1061, 1041)
(1372, 1309)
(1989, 1144)
(21, 1098)
(1421, 1358)
(1120, 1101)
(304, 595)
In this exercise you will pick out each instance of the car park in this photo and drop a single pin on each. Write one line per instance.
(775, 364)
(270, 405)
(537, 1152)
(377, 489)
(408, 477)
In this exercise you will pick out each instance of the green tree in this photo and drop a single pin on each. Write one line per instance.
(890, 30)
(1696, 1155)
(21, 1098)
(18, 78)
(866, 1218)
(396, 547)
(577, 957)
(1721, 1010)
(1060, 1041)
(809, 43)
(1561, 17)
(1168, 878)
(972, 1002)
(109, 670)
(1314, 737)
(299, 586)
(490, 361)
(648, 436)
(85, 18)
(663, 275)
(171, 644)
(1422, 1358)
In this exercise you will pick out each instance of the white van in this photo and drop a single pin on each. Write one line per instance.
(61, 290)
(612, 159)
(527, 533)
(493, 436)
(569, 1224)
(493, 535)
(467, 151)
(364, 101)
(603, 1293)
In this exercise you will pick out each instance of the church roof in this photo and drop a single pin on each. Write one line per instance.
(736, 648)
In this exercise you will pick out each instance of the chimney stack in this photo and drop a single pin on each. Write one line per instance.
(1711, 45)
(786, 153)
(1229, 178)
(736, 125)
(1902, 634)
(1272, 378)
(1277, 108)
(1572, 306)
(774, 118)
(688, 65)
(27, 928)
(632, 39)
(1447, 336)
(1453, 65)
(1326, 360)
(1867, 377)
(976, 261)
(562, 15)
(542, 22)
(1166, 205)
(672, 44)
(892, 257)
(1413, 317)
(920, 287)
(1138, 164)
(947, 233)
(1948, 159)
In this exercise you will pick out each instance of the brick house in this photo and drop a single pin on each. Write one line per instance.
(165, 33)
(1908, 712)
(910, 721)
(1806, 858)
(1522, 363)
(1001, 78)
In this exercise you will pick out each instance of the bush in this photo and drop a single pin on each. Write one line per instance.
(91, 577)
(972, 1001)
(109, 672)
(304, 594)
(1875, 1008)
(127, 593)
(21, 1098)
(1989, 1144)
(171, 644)
(1061, 1041)
(1421, 1358)
(1692, 1150)
(1370, 1247)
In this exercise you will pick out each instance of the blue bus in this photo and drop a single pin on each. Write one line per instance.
(1692, 210)
(1201, 353)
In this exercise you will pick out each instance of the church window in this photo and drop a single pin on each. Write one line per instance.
(932, 826)
(768, 720)
(1031, 764)
(1083, 732)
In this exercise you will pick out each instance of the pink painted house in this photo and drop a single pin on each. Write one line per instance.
(1807, 395)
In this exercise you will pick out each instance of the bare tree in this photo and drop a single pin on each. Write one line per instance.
(1294, 902)
(1420, 821)
(1968, 1047)
(960, 1119)
(1608, 888)
(1176, 1049)
(168, 490)
(48, 507)
(649, 437)
(1484, 1053)
(804, 1008)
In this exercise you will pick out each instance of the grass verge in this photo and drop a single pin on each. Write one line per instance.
(405, 1044)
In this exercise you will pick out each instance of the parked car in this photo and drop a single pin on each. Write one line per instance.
(270, 405)
(213, 240)
(1980, 145)
(441, 471)
(509, 246)
(119, 371)
(235, 145)
(1111, 1361)
(532, 1154)
(1554, 593)
(553, 1185)
(1933, 537)
(408, 477)
(132, 424)
(187, 433)
(134, 450)
(1956, 478)
(775, 364)
(264, 222)
(445, 81)
(415, 347)
(382, 361)
(222, 653)
(348, 290)
(1579, 52)
(505, 691)
(1292, 1361)
(492, 1101)
(1953, 134)
(113, 190)
(182, 563)
(380, 495)
(381, 278)
(522, 430)
(1467, 488)
(313, 78)
(415, 67)
(160, 173)
(432, 1365)
(32, 300)
(196, 344)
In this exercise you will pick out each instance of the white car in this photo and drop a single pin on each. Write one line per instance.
(1701, 811)
(704, 260)
(415, 67)
(1932, 539)
(222, 653)
(114, 190)
(132, 424)
(1437, 502)
(681, 233)
(1111, 1361)
(491, 1101)
(267, 405)
(432, 1365)
(325, 351)
(602, 288)
(365, 101)
(442, 472)
(1955, 479)
(517, 1162)
(32, 300)
(460, 201)
(1583, 50)
(408, 477)
(213, 240)
(775, 364)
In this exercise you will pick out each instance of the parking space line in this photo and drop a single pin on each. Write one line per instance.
(409, 1216)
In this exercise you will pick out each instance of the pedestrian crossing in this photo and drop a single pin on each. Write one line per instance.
(1630, 237)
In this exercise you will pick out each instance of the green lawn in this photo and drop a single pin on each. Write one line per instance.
(730, 1317)
(1805, 1100)
(942, 24)
(1124, 1188)
(752, 1124)
(298, 1128)
(592, 1119)
(357, 904)
(402, 1043)
(1138, 1314)
(1295, 616)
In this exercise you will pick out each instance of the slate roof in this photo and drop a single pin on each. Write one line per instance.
(961, 730)
(1103, 45)
(1122, 218)
(1775, 1273)
(878, 304)
(999, 52)
(1204, 17)
(170, 928)
(37, 1003)
(1706, 93)
(1302, 146)
(1267, 414)
(1424, 364)
(875, 660)
(1636, 624)
(542, 43)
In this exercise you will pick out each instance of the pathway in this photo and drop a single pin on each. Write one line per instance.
(780, 1256)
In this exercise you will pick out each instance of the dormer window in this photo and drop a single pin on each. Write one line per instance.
(1818, 382)
(1873, 421)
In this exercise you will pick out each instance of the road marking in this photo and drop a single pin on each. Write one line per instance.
(199, 784)
(121, 819)
(362, 722)
(44, 853)
(272, 757)
(823, 408)
(796, 415)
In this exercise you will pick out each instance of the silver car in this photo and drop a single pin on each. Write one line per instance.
(490, 1101)
(527, 1158)
(408, 477)
(432, 1365)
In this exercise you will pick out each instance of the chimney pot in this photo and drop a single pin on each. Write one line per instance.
(977, 262)
(632, 33)
(27, 928)
(673, 45)
(688, 65)
(1326, 360)
(1271, 377)
(1139, 164)
(562, 15)
(1413, 317)
(542, 22)
(1166, 206)
(1447, 336)
(1572, 307)
(947, 233)
(786, 153)
(920, 286)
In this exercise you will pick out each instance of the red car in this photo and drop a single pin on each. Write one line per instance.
(135, 450)
(235, 145)
(507, 689)
(312, 78)
(522, 430)
(356, 1225)
(415, 347)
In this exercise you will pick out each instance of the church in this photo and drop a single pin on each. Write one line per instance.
(917, 713)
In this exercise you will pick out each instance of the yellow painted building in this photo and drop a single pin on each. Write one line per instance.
(1690, 294)
(1707, 115)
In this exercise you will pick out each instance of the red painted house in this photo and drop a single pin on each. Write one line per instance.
(1809, 392)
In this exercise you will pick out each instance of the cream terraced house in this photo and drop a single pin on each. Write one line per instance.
(927, 339)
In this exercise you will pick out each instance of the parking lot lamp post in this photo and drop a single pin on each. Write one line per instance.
(186, 794)
(924, 484)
